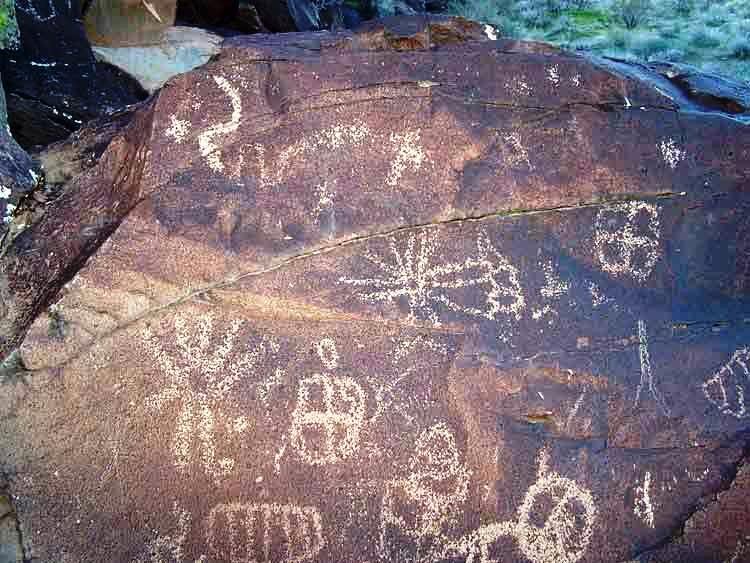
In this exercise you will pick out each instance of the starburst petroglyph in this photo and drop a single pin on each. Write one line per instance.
(199, 378)
(415, 276)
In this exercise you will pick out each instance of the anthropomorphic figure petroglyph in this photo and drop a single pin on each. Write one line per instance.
(423, 505)
(199, 378)
(428, 284)
(329, 414)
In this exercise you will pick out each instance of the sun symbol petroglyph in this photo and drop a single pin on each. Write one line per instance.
(199, 378)
(422, 505)
(647, 375)
(622, 233)
(206, 140)
(566, 511)
(264, 533)
(330, 411)
(726, 388)
(643, 506)
(415, 277)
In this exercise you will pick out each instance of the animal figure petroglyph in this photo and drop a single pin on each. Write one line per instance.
(414, 274)
(199, 378)
(422, 505)
(726, 388)
(565, 531)
(623, 233)
(264, 533)
(329, 414)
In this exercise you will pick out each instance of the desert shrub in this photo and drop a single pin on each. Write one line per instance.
(632, 13)
(618, 38)
(740, 49)
(683, 7)
(704, 39)
(648, 45)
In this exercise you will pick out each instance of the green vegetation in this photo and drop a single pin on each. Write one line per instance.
(711, 34)
(8, 26)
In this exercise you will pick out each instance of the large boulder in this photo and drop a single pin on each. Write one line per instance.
(52, 82)
(404, 294)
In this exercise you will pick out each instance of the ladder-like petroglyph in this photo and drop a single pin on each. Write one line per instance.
(726, 388)
(417, 275)
(250, 532)
(199, 378)
(569, 513)
(626, 239)
(330, 412)
(423, 505)
(647, 375)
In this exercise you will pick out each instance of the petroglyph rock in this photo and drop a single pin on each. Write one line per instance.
(403, 294)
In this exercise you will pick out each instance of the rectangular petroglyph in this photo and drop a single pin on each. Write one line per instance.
(264, 533)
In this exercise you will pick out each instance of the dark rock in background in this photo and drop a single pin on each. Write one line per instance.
(402, 294)
(52, 82)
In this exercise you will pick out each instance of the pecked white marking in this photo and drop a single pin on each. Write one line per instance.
(206, 140)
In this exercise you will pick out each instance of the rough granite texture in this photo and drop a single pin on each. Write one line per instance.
(405, 294)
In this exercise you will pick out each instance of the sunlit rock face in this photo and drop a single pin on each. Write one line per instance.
(403, 294)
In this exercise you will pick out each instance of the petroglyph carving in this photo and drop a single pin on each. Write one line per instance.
(330, 411)
(178, 129)
(617, 241)
(647, 376)
(41, 15)
(262, 533)
(726, 388)
(409, 152)
(199, 378)
(643, 507)
(206, 140)
(671, 153)
(423, 504)
(518, 154)
(169, 549)
(567, 515)
(331, 139)
(414, 276)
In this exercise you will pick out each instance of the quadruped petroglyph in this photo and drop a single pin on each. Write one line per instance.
(423, 505)
(726, 388)
(564, 535)
(199, 378)
(330, 412)
(415, 273)
(264, 533)
(626, 239)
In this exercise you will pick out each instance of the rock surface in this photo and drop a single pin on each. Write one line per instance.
(52, 82)
(397, 295)
(179, 50)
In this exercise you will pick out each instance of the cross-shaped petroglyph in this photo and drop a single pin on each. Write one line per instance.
(264, 533)
(726, 388)
(415, 274)
(199, 378)
(429, 499)
(647, 376)
(626, 239)
(329, 414)
(565, 510)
